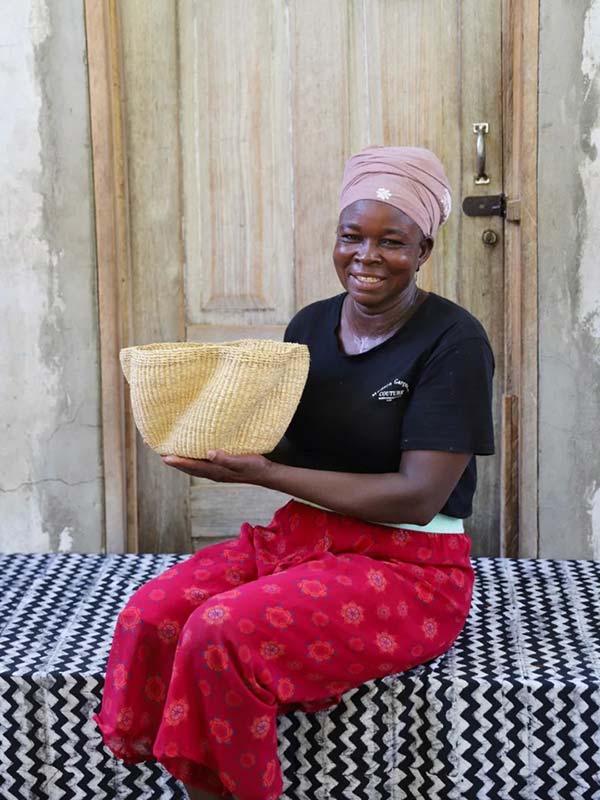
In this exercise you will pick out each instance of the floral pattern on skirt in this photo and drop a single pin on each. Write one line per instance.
(290, 615)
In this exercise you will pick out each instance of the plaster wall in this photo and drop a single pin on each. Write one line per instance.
(569, 279)
(50, 464)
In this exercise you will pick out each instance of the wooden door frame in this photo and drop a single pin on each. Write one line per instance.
(113, 270)
(518, 440)
(519, 527)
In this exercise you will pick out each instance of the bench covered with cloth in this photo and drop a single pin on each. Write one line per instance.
(510, 712)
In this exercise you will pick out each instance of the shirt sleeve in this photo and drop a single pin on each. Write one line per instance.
(293, 331)
(450, 407)
(288, 336)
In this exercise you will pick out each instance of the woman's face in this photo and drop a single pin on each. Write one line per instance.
(377, 252)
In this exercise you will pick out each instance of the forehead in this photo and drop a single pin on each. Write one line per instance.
(377, 214)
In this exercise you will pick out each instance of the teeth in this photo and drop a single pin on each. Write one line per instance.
(366, 279)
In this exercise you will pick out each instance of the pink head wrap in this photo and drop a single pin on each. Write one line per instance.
(409, 178)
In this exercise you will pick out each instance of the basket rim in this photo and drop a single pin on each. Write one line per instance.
(236, 345)
(259, 351)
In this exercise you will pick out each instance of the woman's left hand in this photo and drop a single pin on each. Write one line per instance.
(224, 468)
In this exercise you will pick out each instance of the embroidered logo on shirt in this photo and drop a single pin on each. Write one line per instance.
(392, 390)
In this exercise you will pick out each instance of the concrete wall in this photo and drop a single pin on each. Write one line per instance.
(569, 278)
(50, 466)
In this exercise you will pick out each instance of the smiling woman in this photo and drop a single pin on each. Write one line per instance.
(367, 571)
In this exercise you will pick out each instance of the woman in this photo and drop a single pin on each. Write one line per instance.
(397, 403)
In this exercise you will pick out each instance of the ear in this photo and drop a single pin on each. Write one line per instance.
(425, 248)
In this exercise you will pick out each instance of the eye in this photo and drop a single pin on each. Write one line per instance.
(392, 242)
(349, 237)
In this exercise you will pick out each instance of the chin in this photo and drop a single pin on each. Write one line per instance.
(368, 301)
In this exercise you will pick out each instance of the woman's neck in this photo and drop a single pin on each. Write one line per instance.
(361, 330)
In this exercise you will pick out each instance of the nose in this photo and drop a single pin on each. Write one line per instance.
(368, 252)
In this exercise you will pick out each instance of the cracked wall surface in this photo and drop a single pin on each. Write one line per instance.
(50, 465)
(569, 278)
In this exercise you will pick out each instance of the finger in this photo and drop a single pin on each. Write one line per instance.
(222, 458)
(192, 466)
(198, 468)
(180, 461)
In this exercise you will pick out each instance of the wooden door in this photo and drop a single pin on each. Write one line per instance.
(237, 118)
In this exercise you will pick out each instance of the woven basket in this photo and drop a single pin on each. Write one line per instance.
(189, 398)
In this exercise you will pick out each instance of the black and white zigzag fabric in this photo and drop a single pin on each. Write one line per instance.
(511, 712)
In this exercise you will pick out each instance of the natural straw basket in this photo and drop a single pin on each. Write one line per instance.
(191, 397)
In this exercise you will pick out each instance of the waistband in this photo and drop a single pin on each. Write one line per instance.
(441, 523)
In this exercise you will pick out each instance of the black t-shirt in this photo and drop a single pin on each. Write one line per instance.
(427, 387)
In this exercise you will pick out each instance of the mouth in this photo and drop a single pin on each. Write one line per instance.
(366, 281)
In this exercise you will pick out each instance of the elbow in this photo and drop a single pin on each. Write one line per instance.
(425, 509)
(423, 517)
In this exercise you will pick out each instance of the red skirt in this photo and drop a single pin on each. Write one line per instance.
(291, 615)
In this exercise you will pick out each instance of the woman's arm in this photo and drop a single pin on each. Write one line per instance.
(414, 494)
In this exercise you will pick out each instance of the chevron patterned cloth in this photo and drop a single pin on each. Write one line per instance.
(511, 712)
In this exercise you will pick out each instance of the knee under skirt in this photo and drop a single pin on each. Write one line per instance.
(290, 615)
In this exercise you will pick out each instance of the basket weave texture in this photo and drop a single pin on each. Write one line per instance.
(192, 397)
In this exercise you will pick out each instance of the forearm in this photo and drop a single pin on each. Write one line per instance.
(414, 494)
(386, 497)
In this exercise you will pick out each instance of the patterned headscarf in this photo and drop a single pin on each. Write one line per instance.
(409, 178)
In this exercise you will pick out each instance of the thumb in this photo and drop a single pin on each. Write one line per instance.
(219, 457)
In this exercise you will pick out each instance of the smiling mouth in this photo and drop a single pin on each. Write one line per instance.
(366, 279)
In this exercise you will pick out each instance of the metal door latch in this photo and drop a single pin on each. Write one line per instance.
(488, 205)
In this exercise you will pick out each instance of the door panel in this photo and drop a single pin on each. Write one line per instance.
(272, 97)
(236, 158)
(327, 98)
(480, 268)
